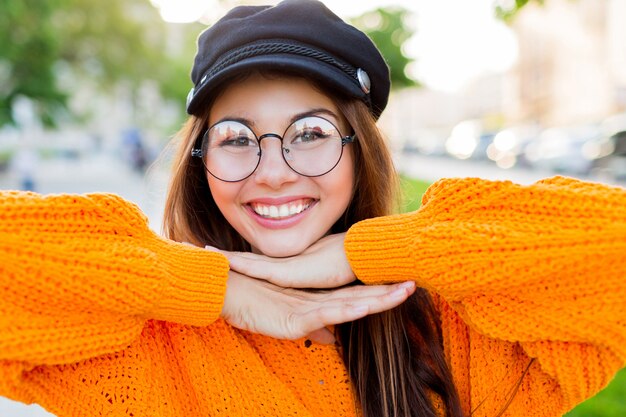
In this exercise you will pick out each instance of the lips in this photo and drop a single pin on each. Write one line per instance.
(284, 210)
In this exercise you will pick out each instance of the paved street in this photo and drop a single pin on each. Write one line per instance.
(103, 173)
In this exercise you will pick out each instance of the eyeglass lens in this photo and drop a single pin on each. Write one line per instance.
(311, 146)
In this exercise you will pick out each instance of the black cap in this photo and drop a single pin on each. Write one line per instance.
(301, 36)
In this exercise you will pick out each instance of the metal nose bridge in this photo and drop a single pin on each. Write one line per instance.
(284, 151)
(270, 135)
(277, 136)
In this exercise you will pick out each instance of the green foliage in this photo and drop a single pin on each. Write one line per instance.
(28, 53)
(608, 403)
(508, 9)
(412, 192)
(50, 44)
(388, 30)
(50, 47)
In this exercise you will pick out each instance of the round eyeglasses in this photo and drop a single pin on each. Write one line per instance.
(311, 146)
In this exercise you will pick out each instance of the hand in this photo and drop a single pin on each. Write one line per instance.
(323, 265)
(262, 307)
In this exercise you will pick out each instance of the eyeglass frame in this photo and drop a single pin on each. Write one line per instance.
(196, 151)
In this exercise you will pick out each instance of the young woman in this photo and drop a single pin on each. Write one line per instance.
(520, 294)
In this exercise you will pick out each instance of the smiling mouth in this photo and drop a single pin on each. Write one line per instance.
(281, 211)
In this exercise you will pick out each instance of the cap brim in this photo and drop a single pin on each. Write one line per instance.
(332, 77)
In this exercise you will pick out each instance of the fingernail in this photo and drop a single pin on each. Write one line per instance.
(407, 285)
(399, 293)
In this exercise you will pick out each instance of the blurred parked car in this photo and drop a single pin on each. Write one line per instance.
(611, 159)
(469, 139)
(565, 150)
(426, 142)
(508, 146)
(480, 151)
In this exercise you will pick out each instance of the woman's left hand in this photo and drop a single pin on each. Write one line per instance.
(323, 265)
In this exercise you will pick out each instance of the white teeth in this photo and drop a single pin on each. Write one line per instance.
(281, 211)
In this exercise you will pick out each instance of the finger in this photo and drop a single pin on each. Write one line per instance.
(294, 272)
(330, 315)
(376, 304)
(233, 253)
(214, 249)
(344, 310)
(359, 291)
(276, 271)
(254, 265)
(322, 336)
(316, 269)
(388, 301)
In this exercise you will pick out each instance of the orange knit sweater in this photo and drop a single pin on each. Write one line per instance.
(100, 317)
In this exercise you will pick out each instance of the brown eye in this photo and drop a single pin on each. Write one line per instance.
(236, 141)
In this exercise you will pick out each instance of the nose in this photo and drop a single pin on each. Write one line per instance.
(273, 171)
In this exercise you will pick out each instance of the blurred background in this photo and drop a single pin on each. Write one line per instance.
(91, 92)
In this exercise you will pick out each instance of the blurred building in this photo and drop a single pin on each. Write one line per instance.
(572, 62)
(424, 118)
(420, 118)
(486, 97)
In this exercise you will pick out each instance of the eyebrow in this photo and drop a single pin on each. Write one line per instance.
(313, 112)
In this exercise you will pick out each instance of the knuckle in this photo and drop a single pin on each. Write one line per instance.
(293, 326)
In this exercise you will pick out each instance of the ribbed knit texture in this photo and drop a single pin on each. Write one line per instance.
(517, 272)
(100, 317)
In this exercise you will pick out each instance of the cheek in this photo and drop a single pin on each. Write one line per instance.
(339, 188)
(224, 194)
(347, 171)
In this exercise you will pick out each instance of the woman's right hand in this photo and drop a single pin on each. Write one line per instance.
(261, 307)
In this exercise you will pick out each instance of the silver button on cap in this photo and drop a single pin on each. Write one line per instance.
(364, 80)
(190, 96)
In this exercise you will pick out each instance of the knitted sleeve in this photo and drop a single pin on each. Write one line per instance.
(538, 268)
(80, 275)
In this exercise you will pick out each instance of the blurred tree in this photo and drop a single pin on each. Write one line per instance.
(48, 44)
(507, 9)
(388, 29)
(28, 53)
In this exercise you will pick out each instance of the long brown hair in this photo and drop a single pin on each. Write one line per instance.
(395, 359)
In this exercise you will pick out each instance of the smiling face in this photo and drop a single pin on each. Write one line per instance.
(278, 211)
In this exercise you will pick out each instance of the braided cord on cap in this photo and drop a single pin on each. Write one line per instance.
(272, 47)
